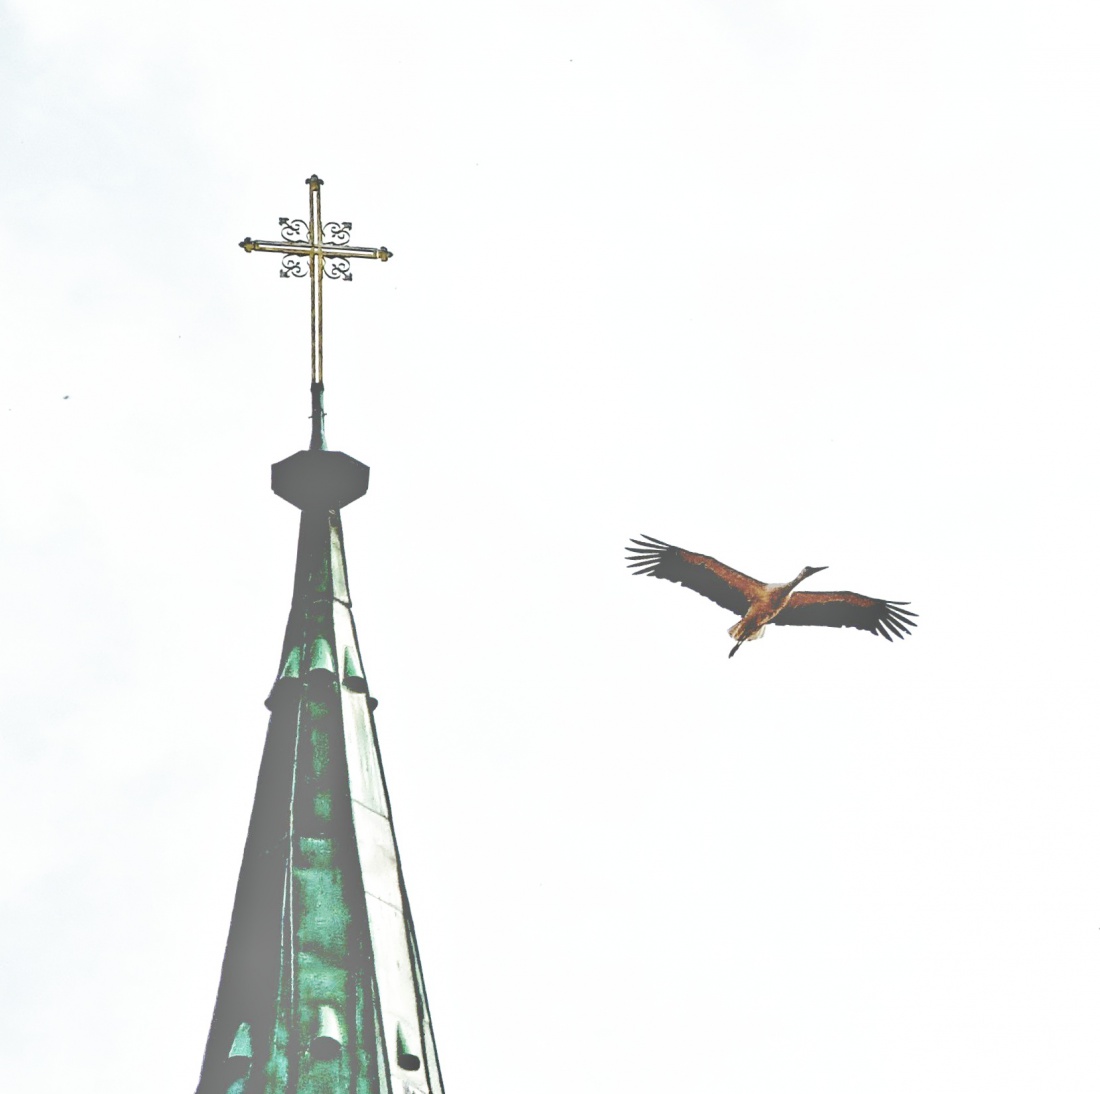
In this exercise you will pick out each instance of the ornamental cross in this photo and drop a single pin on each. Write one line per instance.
(316, 242)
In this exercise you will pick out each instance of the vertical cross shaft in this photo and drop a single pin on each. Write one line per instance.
(316, 280)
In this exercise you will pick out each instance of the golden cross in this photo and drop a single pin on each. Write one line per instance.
(316, 241)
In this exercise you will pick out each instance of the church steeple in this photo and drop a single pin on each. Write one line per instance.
(321, 989)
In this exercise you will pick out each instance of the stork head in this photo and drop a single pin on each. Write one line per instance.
(807, 570)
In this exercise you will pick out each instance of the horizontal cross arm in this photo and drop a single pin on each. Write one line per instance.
(305, 250)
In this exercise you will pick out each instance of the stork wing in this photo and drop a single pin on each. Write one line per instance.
(724, 585)
(883, 617)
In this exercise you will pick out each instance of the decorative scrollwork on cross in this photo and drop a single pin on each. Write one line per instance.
(339, 235)
(320, 249)
(294, 231)
(339, 269)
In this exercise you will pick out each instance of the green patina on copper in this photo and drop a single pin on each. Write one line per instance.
(321, 980)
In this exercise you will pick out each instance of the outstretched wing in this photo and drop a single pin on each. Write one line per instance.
(713, 579)
(883, 617)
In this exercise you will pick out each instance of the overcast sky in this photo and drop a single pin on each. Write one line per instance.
(788, 283)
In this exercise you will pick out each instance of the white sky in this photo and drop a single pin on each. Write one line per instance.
(787, 283)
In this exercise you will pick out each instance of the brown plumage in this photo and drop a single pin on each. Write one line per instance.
(760, 604)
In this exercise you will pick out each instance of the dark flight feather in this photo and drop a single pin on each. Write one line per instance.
(727, 587)
(845, 609)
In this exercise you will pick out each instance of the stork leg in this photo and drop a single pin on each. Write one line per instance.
(736, 648)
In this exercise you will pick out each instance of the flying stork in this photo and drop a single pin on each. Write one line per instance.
(759, 604)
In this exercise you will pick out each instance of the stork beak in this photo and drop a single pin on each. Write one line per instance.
(816, 569)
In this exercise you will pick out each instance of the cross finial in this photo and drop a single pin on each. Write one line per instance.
(316, 242)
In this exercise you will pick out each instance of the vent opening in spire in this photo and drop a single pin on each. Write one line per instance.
(239, 1060)
(353, 674)
(329, 1039)
(321, 658)
(406, 1060)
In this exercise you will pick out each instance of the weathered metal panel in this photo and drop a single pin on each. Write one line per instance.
(321, 967)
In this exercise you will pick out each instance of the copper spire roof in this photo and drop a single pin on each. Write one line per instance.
(321, 986)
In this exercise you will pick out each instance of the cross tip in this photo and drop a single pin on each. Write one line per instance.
(383, 254)
(247, 243)
(314, 183)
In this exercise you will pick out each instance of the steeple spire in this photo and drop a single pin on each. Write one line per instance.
(321, 988)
